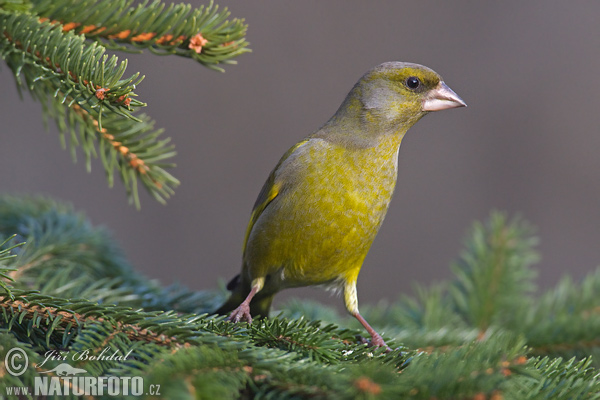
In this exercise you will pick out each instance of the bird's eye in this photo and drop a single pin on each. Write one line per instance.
(412, 82)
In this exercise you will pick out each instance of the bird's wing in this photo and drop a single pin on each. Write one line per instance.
(269, 192)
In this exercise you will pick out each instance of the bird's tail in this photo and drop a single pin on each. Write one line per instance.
(259, 306)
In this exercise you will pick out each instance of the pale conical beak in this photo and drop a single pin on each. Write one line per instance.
(441, 98)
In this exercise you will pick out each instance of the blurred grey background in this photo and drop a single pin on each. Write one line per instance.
(528, 143)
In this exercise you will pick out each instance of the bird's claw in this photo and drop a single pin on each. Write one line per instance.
(242, 313)
(376, 341)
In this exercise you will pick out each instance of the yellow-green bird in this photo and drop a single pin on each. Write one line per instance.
(321, 207)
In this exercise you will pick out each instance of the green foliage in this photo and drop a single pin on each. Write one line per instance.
(66, 256)
(57, 51)
(5, 255)
(90, 299)
(162, 29)
(15, 5)
(565, 322)
(494, 277)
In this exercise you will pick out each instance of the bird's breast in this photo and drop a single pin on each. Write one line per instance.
(331, 206)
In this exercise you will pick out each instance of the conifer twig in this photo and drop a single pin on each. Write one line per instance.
(46, 315)
(204, 34)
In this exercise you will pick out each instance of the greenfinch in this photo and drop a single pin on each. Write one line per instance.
(322, 205)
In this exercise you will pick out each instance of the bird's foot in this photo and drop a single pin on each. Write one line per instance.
(376, 341)
(242, 313)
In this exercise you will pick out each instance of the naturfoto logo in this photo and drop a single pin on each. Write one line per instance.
(64, 369)
(65, 380)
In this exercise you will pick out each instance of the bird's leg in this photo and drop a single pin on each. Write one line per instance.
(376, 339)
(242, 313)
(351, 300)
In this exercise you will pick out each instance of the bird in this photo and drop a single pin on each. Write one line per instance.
(321, 207)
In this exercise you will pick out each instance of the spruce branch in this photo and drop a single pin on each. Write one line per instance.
(15, 5)
(68, 257)
(45, 316)
(56, 50)
(76, 72)
(204, 34)
(85, 93)
(494, 278)
(7, 272)
(130, 147)
(565, 321)
(192, 353)
(558, 379)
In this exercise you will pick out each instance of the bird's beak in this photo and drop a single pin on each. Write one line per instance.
(441, 98)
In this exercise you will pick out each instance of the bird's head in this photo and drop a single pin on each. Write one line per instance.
(389, 98)
(392, 97)
(397, 92)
